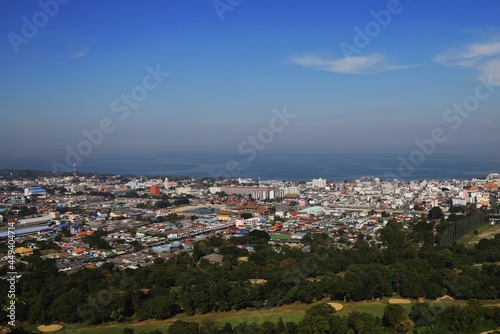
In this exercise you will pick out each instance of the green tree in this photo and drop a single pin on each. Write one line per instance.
(95, 240)
(268, 327)
(393, 236)
(455, 319)
(19, 330)
(246, 215)
(320, 319)
(292, 328)
(435, 213)
(423, 315)
(395, 317)
(363, 323)
(182, 327)
(367, 281)
(209, 326)
(258, 236)
(227, 329)
(160, 307)
(63, 307)
(393, 314)
(280, 326)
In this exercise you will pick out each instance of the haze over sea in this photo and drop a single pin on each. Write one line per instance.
(288, 166)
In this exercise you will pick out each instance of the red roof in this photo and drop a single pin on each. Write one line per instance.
(225, 212)
(262, 209)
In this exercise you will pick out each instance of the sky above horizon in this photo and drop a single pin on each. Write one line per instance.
(184, 76)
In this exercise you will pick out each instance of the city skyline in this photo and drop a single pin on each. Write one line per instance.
(191, 77)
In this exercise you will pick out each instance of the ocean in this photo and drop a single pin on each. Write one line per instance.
(289, 166)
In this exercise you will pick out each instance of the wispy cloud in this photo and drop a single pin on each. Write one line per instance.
(483, 57)
(81, 53)
(65, 55)
(62, 57)
(372, 63)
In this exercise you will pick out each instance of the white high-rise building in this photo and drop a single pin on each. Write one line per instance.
(319, 183)
(493, 177)
(292, 190)
(165, 183)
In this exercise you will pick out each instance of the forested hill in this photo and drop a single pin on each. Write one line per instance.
(408, 263)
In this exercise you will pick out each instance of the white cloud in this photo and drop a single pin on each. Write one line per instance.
(69, 54)
(483, 57)
(481, 50)
(491, 68)
(371, 63)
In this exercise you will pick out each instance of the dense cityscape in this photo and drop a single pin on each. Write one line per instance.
(139, 219)
(81, 223)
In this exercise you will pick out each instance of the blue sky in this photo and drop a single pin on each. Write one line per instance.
(229, 66)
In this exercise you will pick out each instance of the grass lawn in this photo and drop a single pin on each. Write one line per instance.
(485, 230)
(294, 312)
(377, 307)
(374, 308)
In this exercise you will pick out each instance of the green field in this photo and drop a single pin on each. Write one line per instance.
(373, 308)
(294, 312)
(376, 308)
(484, 231)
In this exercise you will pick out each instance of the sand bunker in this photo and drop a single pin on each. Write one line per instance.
(337, 306)
(49, 328)
(444, 298)
(399, 301)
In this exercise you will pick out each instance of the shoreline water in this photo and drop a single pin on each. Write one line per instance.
(297, 167)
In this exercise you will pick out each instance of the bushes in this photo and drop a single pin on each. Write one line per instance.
(160, 308)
